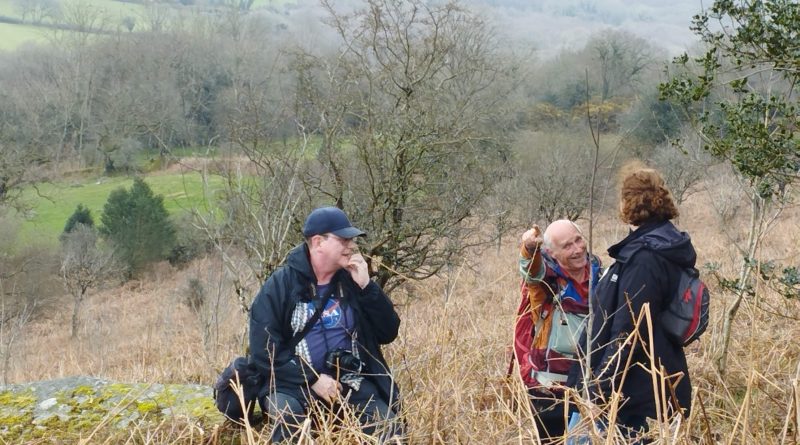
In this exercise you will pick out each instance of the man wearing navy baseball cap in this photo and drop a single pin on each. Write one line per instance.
(330, 220)
(316, 330)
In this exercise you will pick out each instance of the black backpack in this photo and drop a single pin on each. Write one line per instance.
(242, 372)
(685, 316)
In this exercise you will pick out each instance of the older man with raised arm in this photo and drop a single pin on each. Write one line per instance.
(556, 270)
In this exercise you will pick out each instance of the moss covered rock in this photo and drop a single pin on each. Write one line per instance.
(80, 406)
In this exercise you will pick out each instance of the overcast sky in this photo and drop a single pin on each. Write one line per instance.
(552, 25)
(549, 26)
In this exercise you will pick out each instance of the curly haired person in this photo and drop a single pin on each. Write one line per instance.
(647, 367)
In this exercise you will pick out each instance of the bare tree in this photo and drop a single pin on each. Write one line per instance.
(28, 136)
(83, 267)
(156, 17)
(411, 115)
(621, 66)
(12, 323)
(728, 195)
(12, 173)
(257, 222)
(403, 128)
(503, 207)
(551, 175)
(258, 212)
(75, 71)
(38, 10)
(684, 166)
(622, 58)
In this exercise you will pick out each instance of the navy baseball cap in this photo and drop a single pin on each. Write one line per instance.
(330, 220)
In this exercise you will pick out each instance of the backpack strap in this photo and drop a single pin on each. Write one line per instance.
(319, 307)
(308, 326)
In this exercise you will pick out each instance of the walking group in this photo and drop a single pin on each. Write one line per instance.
(580, 338)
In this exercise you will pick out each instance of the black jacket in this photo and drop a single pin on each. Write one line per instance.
(377, 323)
(646, 270)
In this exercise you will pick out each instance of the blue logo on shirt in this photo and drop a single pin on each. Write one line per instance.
(331, 315)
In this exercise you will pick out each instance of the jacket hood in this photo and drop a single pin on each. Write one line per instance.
(298, 259)
(662, 238)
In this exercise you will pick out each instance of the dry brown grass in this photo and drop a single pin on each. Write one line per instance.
(451, 356)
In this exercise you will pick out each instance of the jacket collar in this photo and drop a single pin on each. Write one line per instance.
(299, 260)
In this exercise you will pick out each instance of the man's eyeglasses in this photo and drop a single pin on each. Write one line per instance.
(346, 242)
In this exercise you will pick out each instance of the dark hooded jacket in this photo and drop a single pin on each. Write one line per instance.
(647, 268)
(377, 323)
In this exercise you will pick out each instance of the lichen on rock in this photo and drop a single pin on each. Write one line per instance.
(78, 406)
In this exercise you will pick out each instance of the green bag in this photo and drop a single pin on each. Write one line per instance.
(565, 331)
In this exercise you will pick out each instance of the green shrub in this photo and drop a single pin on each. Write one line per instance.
(138, 226)
(81, 215)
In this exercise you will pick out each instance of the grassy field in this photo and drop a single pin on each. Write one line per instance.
(110, 8)
(52, 203)
(12, 36)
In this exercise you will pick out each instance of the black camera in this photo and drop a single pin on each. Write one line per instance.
(343, 361)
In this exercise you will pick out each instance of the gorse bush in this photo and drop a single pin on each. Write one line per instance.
(138, 226)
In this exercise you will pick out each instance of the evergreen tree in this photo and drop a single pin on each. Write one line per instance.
(138, 226)
(81, 215)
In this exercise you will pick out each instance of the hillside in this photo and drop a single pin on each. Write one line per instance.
(451, 356)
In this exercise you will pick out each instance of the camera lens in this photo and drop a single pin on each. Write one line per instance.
(342, 360)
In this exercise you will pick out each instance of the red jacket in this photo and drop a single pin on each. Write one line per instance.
(542, 278)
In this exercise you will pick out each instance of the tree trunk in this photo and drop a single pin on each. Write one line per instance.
(744, 276)
(76, 310)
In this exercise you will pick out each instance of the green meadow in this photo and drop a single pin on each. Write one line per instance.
(13, 36)
(52, 203)
(110, 9)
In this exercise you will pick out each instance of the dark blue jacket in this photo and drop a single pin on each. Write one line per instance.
(646, 270)
(377, 323)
